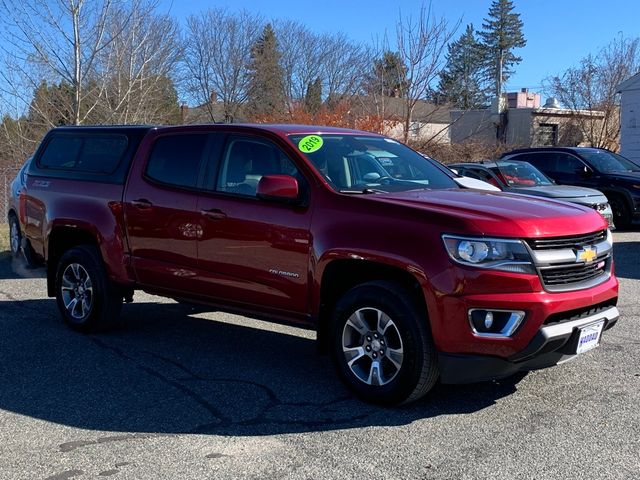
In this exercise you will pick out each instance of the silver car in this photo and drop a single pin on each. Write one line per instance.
(516, 176)
(18, 187)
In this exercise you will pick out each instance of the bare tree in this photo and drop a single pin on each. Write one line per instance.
(301, 57)
(139, 64)
(17, 141)
(218, 51)
(59, 41)
(421, 44)
(306, 56)
(591, 86)
(344, 65)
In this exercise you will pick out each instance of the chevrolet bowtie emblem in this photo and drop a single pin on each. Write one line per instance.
(587, 254)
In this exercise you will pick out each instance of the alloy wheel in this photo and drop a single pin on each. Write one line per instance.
(372, 346)
(77, 291)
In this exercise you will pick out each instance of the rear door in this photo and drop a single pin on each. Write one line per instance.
(252, 251)
(160, 207)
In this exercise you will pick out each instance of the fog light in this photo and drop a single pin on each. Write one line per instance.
(488, 320)
(494, 323)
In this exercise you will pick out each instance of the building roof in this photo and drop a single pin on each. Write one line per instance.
(424, 112)
(632, 83)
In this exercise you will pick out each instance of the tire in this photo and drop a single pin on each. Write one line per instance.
(15, 235)
(621, 213)
(86, 298)
(370, 322)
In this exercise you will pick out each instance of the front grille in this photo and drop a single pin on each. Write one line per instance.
(567, 274)
(573, 241)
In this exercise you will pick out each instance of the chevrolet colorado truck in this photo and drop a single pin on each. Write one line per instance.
(406, 277)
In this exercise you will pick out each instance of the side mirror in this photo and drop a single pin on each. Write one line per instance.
(278, 188)
(584, 171)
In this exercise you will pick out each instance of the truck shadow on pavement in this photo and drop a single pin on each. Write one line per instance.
(167, 372)
(12, 268)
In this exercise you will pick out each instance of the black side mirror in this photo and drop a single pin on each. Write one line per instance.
(586, 172)
(583, 171)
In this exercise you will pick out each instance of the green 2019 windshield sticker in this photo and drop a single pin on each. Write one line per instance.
(310, 143)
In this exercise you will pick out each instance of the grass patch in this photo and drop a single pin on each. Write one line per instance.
(5, 249)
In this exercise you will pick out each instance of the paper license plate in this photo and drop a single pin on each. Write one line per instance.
(589, 337)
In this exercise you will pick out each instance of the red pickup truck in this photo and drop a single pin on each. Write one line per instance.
(406, 277)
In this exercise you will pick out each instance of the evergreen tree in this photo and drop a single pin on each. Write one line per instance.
(313, 97)
(461, 79)
(266, 95)
(501, 33)
(388, 76)
(52, 105)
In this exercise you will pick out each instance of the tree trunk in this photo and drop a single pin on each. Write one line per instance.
(77, 76)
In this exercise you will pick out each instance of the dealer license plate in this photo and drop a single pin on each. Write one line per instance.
(589, 337)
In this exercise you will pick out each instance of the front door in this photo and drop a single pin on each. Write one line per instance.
(252, 251)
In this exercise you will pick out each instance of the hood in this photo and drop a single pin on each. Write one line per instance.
(624, 176)
(497, 213)
(582, 195)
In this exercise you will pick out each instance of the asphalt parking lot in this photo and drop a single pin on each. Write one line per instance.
(177, 393)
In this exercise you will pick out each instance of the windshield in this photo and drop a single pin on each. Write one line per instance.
(609, 162)
(520, 174)
(363, 164)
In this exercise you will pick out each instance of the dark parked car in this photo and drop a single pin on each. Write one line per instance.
(18, 187)
(614, 175)
(515, 176)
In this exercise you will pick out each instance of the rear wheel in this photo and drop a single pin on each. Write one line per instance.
(86, 298)
(15, 236)
(381, 344)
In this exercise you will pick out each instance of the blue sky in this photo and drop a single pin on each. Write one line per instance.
(559, 33)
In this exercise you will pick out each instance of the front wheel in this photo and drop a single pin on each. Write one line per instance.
(621, 213)
(86, 298)
(382, 345)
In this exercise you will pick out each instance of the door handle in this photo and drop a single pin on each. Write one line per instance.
(214, 214)
(142, 203)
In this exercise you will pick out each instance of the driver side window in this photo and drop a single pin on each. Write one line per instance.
(246, 160)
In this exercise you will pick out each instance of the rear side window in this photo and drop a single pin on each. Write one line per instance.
(175, 159)
(85, 153)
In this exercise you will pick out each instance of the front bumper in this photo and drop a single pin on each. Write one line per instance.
(553, 344)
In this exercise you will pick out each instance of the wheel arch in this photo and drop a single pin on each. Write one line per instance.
(61, 239)
(12, 213)
(340, 275)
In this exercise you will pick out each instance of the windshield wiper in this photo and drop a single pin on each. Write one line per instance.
(363, 191)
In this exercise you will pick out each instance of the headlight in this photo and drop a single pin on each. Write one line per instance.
(491, 253)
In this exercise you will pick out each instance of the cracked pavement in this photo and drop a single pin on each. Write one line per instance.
(181, 392)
